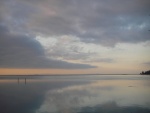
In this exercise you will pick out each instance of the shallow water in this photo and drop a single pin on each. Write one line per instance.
(75, 94)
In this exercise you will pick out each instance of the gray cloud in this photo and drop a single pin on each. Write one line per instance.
(93, 21)
(71, 52)
(18, 51)
(146, 64)
(106, 60)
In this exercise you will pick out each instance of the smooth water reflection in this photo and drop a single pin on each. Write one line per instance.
(75, 94)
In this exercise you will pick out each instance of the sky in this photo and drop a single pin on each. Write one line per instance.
(74, 36)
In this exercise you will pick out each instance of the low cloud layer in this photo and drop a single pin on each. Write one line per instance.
(18, 51)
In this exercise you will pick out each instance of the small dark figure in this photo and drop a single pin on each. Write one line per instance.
(25, 80)
(18, 80)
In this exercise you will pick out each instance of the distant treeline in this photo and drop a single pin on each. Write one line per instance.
(145, 73)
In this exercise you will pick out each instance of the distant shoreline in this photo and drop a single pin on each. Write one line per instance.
(66, 74)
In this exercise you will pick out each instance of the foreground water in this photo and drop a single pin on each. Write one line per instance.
(75, 94)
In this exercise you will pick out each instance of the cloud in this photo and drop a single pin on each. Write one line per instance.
(97, 21)
(146, 64)
(66, 48)
(98, 60)
(20, 51)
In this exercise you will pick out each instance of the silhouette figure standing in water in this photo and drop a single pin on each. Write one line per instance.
(25, 80)
(18, 80)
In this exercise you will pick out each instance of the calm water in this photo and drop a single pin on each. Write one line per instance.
(75, 94)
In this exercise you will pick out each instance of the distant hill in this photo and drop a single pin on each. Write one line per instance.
(145, 73)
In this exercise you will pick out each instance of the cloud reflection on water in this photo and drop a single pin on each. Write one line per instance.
(98, 96)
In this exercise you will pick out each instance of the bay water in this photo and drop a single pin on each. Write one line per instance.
(75, 94)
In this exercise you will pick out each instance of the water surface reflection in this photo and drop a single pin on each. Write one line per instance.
(76, 94)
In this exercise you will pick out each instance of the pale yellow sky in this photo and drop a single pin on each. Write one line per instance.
(104, 70)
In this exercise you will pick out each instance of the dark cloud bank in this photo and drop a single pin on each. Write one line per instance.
(18, 51)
